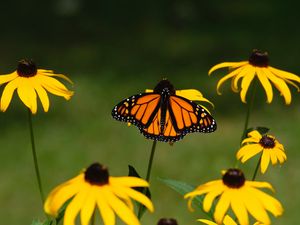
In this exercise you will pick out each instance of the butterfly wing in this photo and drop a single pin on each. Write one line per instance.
(168, 134)
(139, 110)
(188, 117)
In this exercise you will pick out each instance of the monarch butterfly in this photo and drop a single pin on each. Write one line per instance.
(164, 116)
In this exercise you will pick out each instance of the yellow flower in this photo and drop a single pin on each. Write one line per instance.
(241, 195)
(271, 149)
(258, 66)
(95, 188)
(30, 82)
(227, 221)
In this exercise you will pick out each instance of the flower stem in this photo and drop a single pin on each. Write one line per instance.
(250, 106)
(36, 166)
(148, 174)
(256, 169)
(151, 160)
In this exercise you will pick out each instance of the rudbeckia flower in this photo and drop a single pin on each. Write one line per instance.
(258, 66)
(30, 82)
(242, 196)
(256, 143)
(227, 221)
(94, 188)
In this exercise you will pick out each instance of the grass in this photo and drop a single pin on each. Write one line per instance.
(77, 133)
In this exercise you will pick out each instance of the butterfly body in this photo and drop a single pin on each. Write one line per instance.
(162, 115)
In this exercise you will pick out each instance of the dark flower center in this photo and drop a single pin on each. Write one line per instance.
(26, 68)
(259, 59)
(267, 141)
(234, 178)
(165, 221)
(96, 174)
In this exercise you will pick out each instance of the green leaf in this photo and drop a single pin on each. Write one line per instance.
(133, 173)
(184, 188)
(261, 130)
(62, 211)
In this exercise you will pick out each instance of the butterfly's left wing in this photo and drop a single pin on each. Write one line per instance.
(187, 116)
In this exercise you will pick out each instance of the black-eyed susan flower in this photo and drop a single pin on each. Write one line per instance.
(167, 221)
(270, 148)
(227, 221)
(30, 82)
(258, 66)
(242, 196)
(94, 188)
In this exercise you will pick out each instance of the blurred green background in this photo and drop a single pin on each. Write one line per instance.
(114, 49)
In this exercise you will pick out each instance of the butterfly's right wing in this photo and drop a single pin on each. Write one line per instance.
(139, 110)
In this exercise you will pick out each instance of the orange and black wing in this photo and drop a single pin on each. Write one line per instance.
(168, 134)
(139, 110)
(188, 117)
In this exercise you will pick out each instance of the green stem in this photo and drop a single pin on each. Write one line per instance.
(151, 160)
(148, 174)
(36, 166)
(256, 169)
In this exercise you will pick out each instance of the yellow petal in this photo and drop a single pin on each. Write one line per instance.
(210, 197)
(227, 64)
(269, 203)
(249, 140)
(193, 95)
(265, 160)
(88, 206)
(229, 221)
(125, 214)
(245, 85)
(255, 207)
(74, 207)
(148, 91)
(228, 76)
(54, 86)
(281, 86)
(8, 93)
(27, 94)
(222, 206)
(265, 83)
(239, 208)
(248, 151)
(60, 195)
(107, 214)
(208, 222)
(260, 185)
(8, 77)
(42, 94)
(248, 69)
(139, 197)
(255, 134)
(51, 74)
(273, 158)
(284, 74)
(128, 181)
